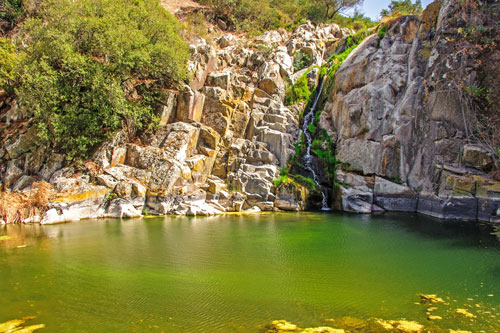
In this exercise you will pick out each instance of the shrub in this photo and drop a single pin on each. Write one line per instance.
(382, 31)
(300, 61)
(8, 62)
(312, 128)
(95, 66)
(260, 15)
(11, 12)
(299, 92)
(403, 7)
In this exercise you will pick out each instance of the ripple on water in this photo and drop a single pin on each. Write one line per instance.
(238, 273)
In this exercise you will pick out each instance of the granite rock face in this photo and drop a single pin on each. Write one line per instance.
(220, 145)
(403, 135)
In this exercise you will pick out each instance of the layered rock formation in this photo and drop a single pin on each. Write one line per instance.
(404, 133)
(221, 142)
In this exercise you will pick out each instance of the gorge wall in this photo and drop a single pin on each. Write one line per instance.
(220, 145)
(405, 134)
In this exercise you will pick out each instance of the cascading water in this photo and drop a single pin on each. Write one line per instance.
(308, 159)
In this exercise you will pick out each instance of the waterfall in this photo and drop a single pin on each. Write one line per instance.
(309, 119)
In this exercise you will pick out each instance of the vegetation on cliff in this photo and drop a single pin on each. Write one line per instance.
(8, 62)
(261, 15)
(11, 12)
(91, 67)
(322, 146)
(402, 7)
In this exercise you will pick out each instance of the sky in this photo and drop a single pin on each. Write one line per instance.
(372, 8)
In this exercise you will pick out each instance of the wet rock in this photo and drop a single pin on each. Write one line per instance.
(281, 326)
(430, 298)
(465, 313)
(291, 197)
(488, 199)
(354, 193)
(454, 208)
(394, 197)
(322, 329)
(16, 325)
(407, 326)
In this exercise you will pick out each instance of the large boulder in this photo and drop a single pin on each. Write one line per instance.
(476, 156)
(353, 194)
(291, 196)
(394, 197)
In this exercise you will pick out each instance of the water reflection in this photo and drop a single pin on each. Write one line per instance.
(21, 236)
(216, 274)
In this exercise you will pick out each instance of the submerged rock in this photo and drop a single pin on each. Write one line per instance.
(430, 298)
(283, 326)
(465, 312)
(16, 326)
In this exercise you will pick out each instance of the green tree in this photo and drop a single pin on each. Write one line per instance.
(333, 7)
(403, 7)
(95, 66)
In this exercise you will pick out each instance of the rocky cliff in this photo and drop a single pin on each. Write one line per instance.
(406, 136)
(220, 145)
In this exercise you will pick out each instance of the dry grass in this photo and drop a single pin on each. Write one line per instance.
(17, 207)
(390, 20)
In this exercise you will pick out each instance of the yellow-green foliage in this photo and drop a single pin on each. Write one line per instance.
(299, 92)
(8, 62)
(95, 66)
(402, 7)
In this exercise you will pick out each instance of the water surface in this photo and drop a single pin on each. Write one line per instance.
(237, 273)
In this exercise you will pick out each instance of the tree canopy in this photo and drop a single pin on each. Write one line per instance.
(261, 15)
(333, 7)
(403, 7)
(92, 67)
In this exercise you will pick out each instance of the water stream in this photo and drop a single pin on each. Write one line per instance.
(308, 158)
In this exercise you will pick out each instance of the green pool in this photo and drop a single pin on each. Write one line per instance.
(238, 273)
